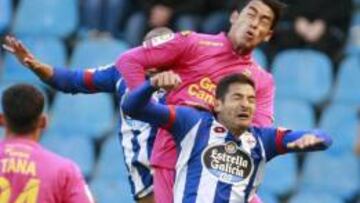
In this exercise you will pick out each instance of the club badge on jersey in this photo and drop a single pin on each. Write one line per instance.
(156, 41)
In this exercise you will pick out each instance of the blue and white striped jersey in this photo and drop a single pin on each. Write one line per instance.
(213, 165)
(136, 137)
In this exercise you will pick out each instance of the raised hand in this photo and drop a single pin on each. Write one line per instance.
(15, 47)
(306, 141)
(24, 56)
(167, 80)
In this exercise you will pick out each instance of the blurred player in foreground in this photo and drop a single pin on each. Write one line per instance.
(221, 155)
(28, 172)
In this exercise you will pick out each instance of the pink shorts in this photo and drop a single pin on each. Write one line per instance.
(163, 184)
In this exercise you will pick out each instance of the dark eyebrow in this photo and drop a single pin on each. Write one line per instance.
(253, 8)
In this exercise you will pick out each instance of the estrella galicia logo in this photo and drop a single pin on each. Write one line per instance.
(227, 162)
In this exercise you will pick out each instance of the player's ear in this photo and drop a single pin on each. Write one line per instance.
(43, 122)
(234, 16)
(217, 105)
(268, 36)
(2, 120)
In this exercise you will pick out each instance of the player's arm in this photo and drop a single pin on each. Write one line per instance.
(265, 103)
(74, 188)
(102, 79)
(163, 52)
(279, 141)
(177, 119)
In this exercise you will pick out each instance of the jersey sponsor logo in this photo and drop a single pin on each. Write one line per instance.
(227, 162)
(211, 43)
(203, 90)
(156, 41)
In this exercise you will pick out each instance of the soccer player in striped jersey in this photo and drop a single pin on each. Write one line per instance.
(136, 137)
(28, 172)
(221, 156)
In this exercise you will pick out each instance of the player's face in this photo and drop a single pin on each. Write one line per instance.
(237, 109)
(251, 26)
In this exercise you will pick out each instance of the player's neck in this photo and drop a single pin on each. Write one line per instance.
(237, 132)
(33, 136)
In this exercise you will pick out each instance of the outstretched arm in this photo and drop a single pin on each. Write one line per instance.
(279, 141)
(102, 79)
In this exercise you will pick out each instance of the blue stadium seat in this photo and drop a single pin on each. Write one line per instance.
(87, 115)
(294, 114)
(5, 14)
(348, 82)
(307, 197)
(78, 148)
(96, 52)
(111, 183)
(111, 191)
(266, 196)
(280, 175)
(57, 18)
(260, 58)
(303, 74)
(341, 122)
(335, 174)
(48, 50)
(112, 154)
(353, 43)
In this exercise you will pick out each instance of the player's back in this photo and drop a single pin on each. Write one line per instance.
(32, 174)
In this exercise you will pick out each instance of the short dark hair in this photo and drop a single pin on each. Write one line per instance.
(22, 105)
(275, 5)
(224, 84)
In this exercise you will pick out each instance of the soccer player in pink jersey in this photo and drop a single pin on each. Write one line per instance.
(28, 172)
(201, 60)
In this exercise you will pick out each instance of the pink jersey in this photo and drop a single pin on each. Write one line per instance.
(30, 173)
(201, 61)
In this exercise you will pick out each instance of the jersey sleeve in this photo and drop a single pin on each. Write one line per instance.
(177, 119)
(265, 106)
(275, 140)
(101, 79)
(163, 53)
(74, 187)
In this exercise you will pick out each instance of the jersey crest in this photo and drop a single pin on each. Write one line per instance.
(156, 41)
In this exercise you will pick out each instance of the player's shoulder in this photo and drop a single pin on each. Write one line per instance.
(263, 131)
(56, 160)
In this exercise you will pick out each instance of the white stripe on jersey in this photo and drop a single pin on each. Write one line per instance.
(129, 154)
(207, 187)
(261, 170)
(187, 145)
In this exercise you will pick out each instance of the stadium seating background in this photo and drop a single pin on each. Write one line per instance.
(309, 95)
